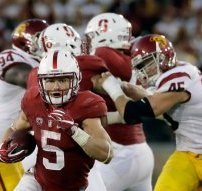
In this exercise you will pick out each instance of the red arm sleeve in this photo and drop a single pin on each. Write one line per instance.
(90, 66)
(118, 63)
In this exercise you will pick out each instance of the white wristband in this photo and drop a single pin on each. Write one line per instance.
(80, 136)
(112, 86)
(113, 117)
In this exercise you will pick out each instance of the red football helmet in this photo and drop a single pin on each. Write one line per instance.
(151, 55)
(25, 35)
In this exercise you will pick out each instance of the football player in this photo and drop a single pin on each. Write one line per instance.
(15, 64)
(178, 95)
(63, 36)
(67, 127)
(109, 36)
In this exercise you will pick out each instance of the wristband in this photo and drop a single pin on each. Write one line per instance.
(114, 117)
(80, 136)
(112, 86)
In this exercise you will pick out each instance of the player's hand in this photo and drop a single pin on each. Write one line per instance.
(98, 81)
(63, 120)
(11, 153)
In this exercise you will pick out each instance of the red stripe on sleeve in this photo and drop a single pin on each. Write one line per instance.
(172, 76)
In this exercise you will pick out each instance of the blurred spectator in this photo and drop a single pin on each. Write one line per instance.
(184, 47)
(79, 12)
(14, 11)
(142, 14)
(147, 16)
(194, 27)
(117, 6)
(168, 25)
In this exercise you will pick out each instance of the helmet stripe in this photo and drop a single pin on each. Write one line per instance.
(55, 58)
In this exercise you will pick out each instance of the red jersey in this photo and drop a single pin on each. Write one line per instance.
(32, 78)
(120, 66)
(61, 163)
(90, 66)
(118, 63)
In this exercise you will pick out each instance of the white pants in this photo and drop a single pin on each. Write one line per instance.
(29, 183)
(130, 169)
(95, 181)
(30, 161)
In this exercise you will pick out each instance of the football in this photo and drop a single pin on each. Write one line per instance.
(25, 141)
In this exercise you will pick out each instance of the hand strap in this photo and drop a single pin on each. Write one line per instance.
(80, 136)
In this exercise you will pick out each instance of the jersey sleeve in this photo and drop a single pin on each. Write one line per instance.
(177, 79)
(8, 59)
(32, 78)
(28, 103)
(25, 101)
(118, 63)
(91, 106)
(90, 66)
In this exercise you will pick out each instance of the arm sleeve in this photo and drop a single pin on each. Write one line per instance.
(135, 110)
(118, 64)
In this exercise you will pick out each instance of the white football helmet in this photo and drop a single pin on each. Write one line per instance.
(57, 64)
(109, 29)
(60, 35)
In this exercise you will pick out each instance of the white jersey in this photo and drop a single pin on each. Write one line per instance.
(10, 95)
(189, 115)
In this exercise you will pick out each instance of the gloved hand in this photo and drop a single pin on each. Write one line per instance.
(9, 153)
(63, 120)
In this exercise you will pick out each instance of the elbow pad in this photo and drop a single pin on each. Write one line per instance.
(135, 110)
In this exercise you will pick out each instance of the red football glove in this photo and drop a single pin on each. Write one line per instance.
(10, 153)
(63, 120)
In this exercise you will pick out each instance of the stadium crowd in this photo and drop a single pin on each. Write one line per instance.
(181, 24)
